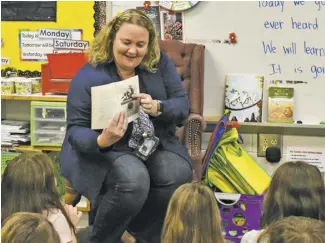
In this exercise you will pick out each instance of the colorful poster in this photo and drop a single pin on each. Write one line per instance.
(171, 25)
(153, 14)
(34, 45)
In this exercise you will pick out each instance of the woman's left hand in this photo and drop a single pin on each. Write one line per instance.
(148, 105)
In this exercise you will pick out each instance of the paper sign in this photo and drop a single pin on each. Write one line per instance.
(4, 60)
(34, 45)
(313, 156)
(71, 44)
(28, 35)
(35, 54)
(67, 51)
(54, 34)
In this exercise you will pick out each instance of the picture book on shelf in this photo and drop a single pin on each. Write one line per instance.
(244, 97)
(281, 104)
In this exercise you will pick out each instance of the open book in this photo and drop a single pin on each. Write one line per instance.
(109, 99)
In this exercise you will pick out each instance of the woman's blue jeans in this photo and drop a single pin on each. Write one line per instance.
(135, 196)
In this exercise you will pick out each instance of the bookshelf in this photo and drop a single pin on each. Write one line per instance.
(271, 128)
(36, 97)
(24, 148)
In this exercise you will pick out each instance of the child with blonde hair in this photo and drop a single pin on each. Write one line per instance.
(296, 189)
(294, 230)
(192, 216)
(28, 228)
(29, 185)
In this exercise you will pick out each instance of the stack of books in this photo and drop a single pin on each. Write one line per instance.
(15, 132)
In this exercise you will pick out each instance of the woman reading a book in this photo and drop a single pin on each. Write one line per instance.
(127, 171)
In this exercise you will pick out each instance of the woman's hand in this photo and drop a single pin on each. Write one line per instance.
(148, 105)
(114, 131)
(73, 214)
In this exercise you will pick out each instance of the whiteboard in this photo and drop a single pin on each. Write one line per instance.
(214, 20)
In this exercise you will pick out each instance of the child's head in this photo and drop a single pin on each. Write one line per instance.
(28, 185)
(296, 189)
(192, 216)
(28, 228)
(294, 230)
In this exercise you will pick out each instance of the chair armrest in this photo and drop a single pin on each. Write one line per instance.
(194, 128)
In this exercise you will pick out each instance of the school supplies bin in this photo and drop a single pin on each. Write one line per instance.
(228, 167)
(239, 213)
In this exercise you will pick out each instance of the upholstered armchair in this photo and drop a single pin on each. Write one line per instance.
(189, 61)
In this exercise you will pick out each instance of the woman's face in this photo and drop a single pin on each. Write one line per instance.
(130, 46)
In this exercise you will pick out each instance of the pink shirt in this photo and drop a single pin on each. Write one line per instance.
(60, 224)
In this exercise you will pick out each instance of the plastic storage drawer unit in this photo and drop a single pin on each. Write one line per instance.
(48, 123)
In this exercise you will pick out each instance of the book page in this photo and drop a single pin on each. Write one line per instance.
(125, 90)
(109, 99)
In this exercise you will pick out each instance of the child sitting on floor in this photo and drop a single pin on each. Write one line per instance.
(296, 189)
(294, 230)
(28, 228)
(192, 216)
(29, 185)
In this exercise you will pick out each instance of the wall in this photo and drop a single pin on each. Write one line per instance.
(74, 15)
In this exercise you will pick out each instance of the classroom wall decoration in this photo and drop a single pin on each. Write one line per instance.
(178, 5)
(153, 13)
(34, 45)
(28, 11)
(99, 16)
(21, 37)
(171, 25)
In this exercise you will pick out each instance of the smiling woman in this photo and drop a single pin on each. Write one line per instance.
(148, 40)
(130, 46)
(142, 160)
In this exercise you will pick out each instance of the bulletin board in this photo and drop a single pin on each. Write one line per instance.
(81, 18)
(281, 40)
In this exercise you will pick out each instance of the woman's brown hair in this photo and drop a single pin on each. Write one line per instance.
(101, 49)
(296, 189)
(28, 228)
(28, 185)
(192, 216)
(294, 230)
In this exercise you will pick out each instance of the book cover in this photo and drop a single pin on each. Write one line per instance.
(281, 104)
(244, 97)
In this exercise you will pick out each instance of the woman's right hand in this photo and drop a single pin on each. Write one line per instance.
(114, 131)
